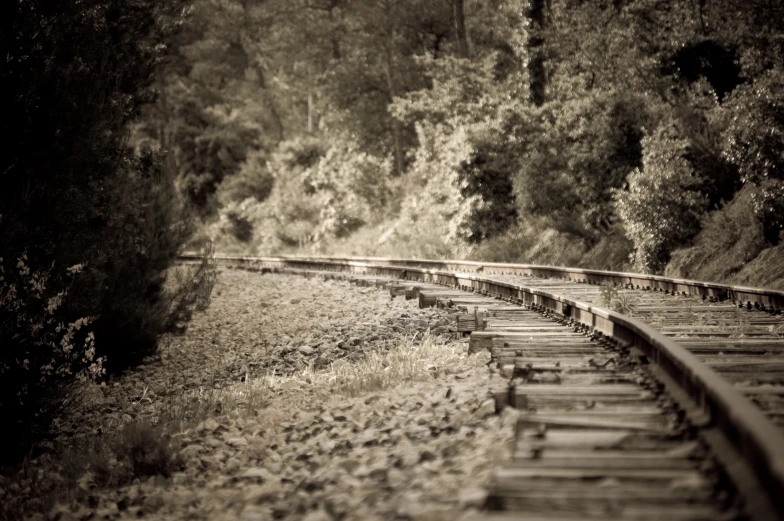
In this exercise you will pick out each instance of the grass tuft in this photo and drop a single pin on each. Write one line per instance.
(145, 450)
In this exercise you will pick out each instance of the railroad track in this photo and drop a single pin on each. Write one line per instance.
(673, 410)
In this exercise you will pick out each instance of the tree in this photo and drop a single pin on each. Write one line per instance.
(87, 227)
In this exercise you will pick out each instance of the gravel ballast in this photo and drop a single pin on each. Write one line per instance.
(280, 417)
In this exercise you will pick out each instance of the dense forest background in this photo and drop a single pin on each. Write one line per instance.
(626, 134)
(643, 135)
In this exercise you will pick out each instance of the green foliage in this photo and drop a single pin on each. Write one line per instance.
(297, 114)
(88, 227)
(300, 153)
(290, 215)
(575, 154)
(253, 180)
(754, 140)
(192, 289)
(43, 352)
(319, 193)
(211, 148)
(350, 188)
(615, 300)
(730, 238)
(662, 206)
(463, 164)
(486, 183)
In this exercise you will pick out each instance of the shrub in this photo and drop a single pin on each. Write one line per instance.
(300, 153)
(289, 216)
(574, 153)
(43, 353)
(662, 206)
(730, 238)
(462, 168)
(350, 187)
(754, 139)
(145, 450)
(253, 180)
(211, 147)
(192, 289)
(89, 228)
(319, 192)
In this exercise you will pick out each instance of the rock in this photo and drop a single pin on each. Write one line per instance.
(257, 473)
(153, 503)
(426, 455)
(110, 510)
(296, 449)
(509, 416)
(238, 442)
(270, 490)
(306, 350)
(208, 425)
(255, 513)
(340, 504)
(61, 512)
(486, 409)
(396, 478)
(317, 515)
(233, 465)
(472, 497)
(191, 451)
(290, 385)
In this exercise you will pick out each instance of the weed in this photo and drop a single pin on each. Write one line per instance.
(613, 299)
(193, 291)
(145, 450)
(411, 361)
(740, 325)
(609, 292)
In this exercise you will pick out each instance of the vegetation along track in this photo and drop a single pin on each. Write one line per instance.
(621, 420)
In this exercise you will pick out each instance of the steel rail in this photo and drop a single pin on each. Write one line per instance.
(760, 298)
(748, 445)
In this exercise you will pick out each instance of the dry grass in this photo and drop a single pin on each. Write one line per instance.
(417, 359)
(412, 361)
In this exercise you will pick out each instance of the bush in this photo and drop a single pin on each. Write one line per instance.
(145, 450)
(754, 139)
(253, 180)
(350, 187)
(319, 193)
(191, 289)
(88, 228)
(460, 179)
(575, 153)
(288, 217)
(211, 147)
(662, 207)
(300, 153)
(44, 352)
(730, 238)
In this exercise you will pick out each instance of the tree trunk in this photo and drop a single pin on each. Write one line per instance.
(538, 13)
(460, 29)
(310, 113)
(277, 121)
(270, 103)
(396, 130)
(164, 128)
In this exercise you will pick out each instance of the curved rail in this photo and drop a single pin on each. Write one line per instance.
(759, 298)
(748, 444)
